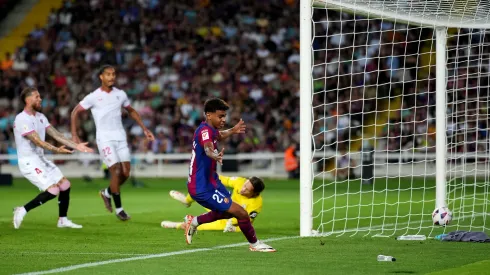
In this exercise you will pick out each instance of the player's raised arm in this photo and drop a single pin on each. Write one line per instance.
(82, 147)
(136, 116)
(239, 128)
(210, 152)
(34, 138)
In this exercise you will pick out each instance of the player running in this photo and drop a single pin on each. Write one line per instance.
(30, 129)
(106, 103)
(246, 192)
(203, 183)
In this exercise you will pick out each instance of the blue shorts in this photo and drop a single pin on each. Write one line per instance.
(215, 200)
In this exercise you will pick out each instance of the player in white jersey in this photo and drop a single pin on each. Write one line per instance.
(106, 103)
(30, 129)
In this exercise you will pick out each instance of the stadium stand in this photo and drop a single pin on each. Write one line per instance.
(170, 58)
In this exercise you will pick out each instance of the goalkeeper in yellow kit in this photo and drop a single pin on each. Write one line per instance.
(246, 192)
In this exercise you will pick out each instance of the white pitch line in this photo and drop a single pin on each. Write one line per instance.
(150, 256)
(162, 255)
(168, 254)
(75, 253)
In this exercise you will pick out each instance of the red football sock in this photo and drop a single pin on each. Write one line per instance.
(248, 230)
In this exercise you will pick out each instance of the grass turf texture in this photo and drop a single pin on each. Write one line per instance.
(38, 245)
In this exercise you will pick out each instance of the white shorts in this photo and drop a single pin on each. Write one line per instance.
(112, 152)
(40, 171)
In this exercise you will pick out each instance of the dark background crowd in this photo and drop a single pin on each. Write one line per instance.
(173, 55)
(170, 57)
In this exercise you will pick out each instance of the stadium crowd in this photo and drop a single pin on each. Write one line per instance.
(362, 66)
(172, 55)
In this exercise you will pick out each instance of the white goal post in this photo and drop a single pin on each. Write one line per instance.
(325, 199)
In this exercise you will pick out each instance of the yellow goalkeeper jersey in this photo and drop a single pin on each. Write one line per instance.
(253, 206)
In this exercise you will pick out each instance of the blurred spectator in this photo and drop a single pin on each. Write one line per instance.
(173, 55)
(170, 56)
(291, 161)
(7, 63)
(345, 166)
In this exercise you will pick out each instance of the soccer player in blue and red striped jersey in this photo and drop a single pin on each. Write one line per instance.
(203, 183)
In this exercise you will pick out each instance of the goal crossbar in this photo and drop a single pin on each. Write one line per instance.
(447, 13)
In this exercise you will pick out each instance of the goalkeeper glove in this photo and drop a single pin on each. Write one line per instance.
(229, 226)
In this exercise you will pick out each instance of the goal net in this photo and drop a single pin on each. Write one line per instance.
(395, 106)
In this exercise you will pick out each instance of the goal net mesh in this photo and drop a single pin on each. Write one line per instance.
(374, 116)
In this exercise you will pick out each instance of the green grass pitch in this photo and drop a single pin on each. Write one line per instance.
(108, 246)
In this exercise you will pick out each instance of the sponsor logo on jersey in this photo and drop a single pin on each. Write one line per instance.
(205, 135)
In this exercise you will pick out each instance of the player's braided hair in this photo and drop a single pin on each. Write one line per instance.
(215, 104)
(258, 185)
(27, 92)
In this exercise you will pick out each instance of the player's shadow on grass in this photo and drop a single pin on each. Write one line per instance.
(403, 272)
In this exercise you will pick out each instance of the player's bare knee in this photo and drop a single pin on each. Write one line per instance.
(126, 170)
(116, 170)
(125, 173)
(244, 216)
(64, 184)
(241, 214)
(54, 190)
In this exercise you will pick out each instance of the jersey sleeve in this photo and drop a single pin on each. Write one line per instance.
(88, 101)
(233, 182)
(204, 135)
(46, 123)
(254, 208)
(125, 103)
(23, 126)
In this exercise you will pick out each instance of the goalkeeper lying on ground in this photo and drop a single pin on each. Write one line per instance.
(246, 192)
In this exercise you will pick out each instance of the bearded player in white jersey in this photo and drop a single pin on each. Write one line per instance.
(106, 103)
(30, 129)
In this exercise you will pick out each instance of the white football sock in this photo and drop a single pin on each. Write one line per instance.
(118, 210)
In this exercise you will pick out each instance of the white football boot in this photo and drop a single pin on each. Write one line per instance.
(66, 223)
(19, 214)
(190, 229)
(176, 195)
(261, 247)
(169, 224)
